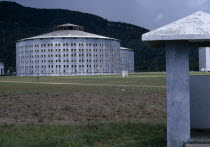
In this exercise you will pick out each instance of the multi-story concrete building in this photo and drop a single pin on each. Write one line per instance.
(127, 59)
(68, 50)
(204, 59)
(1, 68)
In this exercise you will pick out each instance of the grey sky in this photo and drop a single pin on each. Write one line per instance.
(146, 13)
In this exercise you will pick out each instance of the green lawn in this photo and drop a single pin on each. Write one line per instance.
(134, 134)
(133, 79)
(143, 78)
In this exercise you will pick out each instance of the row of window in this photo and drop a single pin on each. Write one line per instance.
(65, 66)
(66, 50)
(36, 72)
(87, 60)
(66, 55)
(65, 44)
(51, 61)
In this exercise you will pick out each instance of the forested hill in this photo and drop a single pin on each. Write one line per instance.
(17, 22)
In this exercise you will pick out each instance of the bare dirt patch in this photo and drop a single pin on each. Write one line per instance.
(77, 104)
(81, 84)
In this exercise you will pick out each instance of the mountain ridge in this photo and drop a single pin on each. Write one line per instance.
(18, 22)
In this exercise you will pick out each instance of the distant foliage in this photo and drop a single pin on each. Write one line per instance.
(17, 22)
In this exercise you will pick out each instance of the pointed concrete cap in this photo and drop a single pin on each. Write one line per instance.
(194, 28)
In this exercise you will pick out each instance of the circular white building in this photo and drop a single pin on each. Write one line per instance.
(68, 50)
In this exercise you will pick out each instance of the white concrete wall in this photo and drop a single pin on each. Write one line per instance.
(208, 58)
(127, 60)
(1, 68)
(204, 59)
(50, 57)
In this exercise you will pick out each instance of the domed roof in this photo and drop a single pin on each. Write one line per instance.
(68, 31)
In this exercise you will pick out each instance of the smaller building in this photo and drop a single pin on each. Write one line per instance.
(1, 68)
(204, 59)
(127, 59)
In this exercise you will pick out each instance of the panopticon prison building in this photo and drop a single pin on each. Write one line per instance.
(68, 50)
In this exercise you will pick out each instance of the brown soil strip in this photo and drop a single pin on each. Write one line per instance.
(83, 84)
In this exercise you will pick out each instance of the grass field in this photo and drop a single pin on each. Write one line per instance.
(133, 79)
(97, 135)
(84, 111)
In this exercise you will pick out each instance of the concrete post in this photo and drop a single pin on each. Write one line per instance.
(178, 95)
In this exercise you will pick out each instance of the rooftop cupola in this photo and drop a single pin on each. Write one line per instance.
(69, 26)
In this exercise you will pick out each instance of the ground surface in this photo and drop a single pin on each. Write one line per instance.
(134, 134)
(74, 100)
(98, 111)
(79, 99)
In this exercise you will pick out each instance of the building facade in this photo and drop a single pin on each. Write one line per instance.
(1, 68)
(68, 50)
(127, 59)
(204, 59)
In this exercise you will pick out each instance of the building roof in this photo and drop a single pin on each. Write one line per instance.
(67, 24)
(65, 31)
(193, 28)
(123, 48)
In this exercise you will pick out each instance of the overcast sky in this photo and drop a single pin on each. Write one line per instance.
(150, 14)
